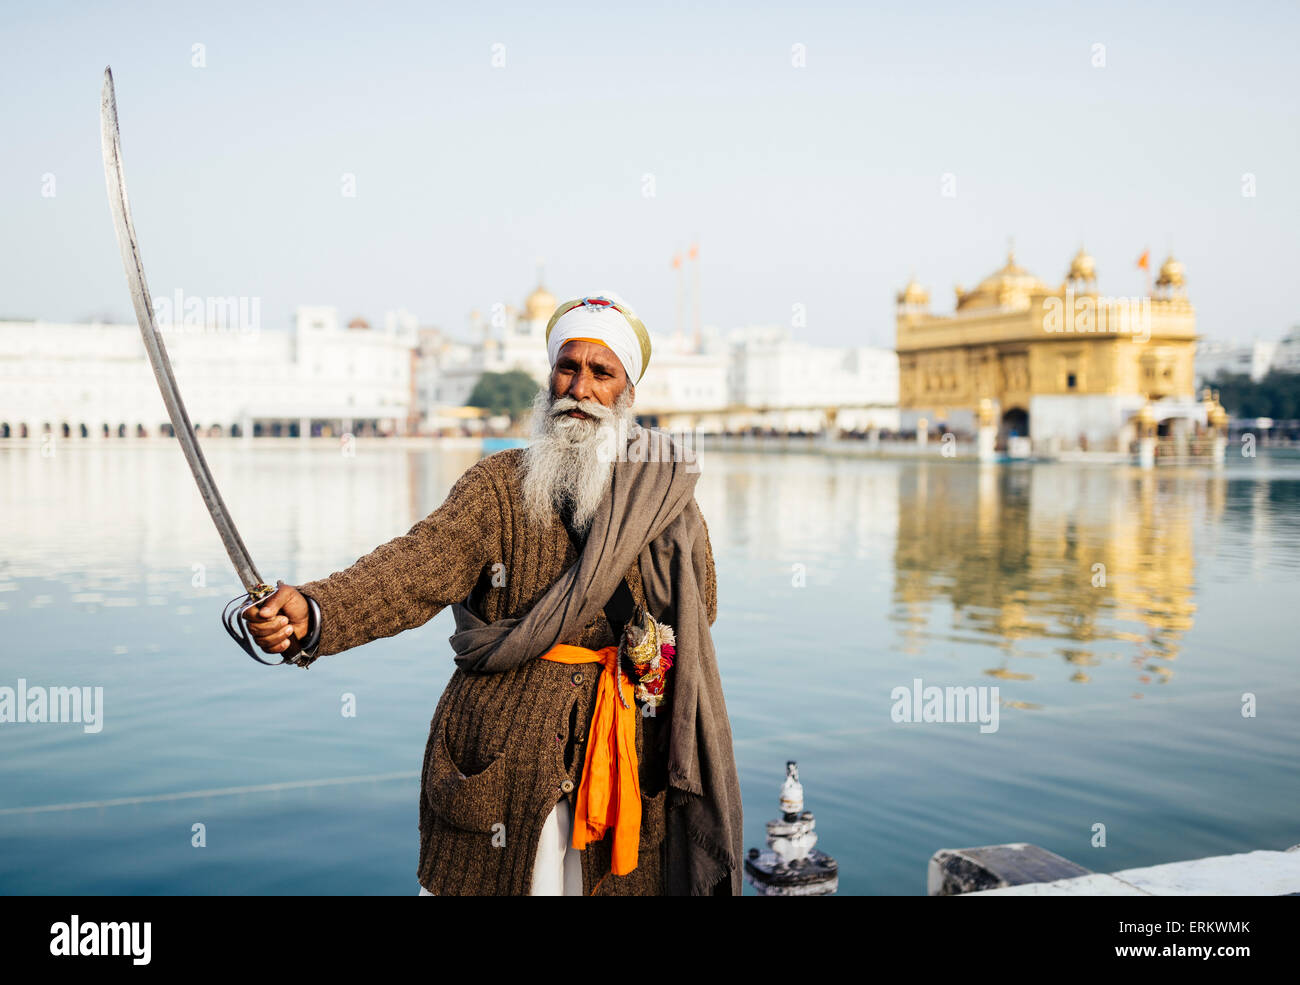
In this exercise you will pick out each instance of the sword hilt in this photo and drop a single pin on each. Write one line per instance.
(232, 617)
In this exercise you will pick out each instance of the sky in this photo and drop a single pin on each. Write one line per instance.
(600, 139)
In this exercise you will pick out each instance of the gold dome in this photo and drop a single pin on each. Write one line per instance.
(1011, 285)
(1082, 267)
(540, 305)
(1171, 274)
(914, 294)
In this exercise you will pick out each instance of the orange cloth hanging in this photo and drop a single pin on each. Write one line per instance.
(609, 795)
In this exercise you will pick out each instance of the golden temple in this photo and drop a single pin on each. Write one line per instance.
(1065, 366)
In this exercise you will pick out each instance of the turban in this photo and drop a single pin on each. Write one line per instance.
(606, 320)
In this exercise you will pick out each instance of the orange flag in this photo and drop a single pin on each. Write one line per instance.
(1144, 261)
(677, 261)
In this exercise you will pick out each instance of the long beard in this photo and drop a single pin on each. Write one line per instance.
(569, 459)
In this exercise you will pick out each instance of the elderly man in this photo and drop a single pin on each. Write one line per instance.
(582, 746)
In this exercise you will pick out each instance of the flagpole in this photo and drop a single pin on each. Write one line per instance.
(695, 271)
(679, 278)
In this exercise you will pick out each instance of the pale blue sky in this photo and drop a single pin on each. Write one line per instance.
(818, 186)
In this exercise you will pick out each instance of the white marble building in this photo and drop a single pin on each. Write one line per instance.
(323, 378)
(777, 382)
(505, 339)
(95, 381)
(1215, 357)
(1286, 358)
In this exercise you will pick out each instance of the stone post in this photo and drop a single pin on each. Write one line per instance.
(831, 430)
(1217, 418)
(987, 435)
(1146, 429)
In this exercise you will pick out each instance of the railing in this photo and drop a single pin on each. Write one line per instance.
(1197, 449)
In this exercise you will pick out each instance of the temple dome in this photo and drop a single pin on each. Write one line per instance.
(1010, 285)
(540, 305)
(1171, 274)
(914, 294)
(1082, 267)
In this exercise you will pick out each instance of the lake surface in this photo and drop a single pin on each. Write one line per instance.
(1120, 687)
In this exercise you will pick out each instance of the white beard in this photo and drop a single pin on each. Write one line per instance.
(564, 461)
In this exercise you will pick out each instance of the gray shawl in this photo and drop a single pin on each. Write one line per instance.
(649, 512)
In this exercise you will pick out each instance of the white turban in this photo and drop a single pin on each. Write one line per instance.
(613, 325)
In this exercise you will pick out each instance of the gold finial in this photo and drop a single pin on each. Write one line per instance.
(1171, 274)
(913, 294)
(1082, 267)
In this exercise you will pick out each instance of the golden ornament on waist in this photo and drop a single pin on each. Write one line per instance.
(648, 648)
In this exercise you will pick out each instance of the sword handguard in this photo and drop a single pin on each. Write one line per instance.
(232, 617)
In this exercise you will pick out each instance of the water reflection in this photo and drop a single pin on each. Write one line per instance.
(1091, 565)
(838, 580)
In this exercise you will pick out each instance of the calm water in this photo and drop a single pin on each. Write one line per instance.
(839, 580)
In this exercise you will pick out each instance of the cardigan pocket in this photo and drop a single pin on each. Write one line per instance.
(472, 803)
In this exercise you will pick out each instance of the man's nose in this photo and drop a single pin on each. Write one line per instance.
(579, 388)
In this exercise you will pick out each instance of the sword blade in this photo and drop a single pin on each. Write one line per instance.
(153, 343)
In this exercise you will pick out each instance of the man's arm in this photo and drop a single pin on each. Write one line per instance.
(407, 581)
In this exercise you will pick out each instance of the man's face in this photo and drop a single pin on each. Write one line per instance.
(587, 371)
(578, 419)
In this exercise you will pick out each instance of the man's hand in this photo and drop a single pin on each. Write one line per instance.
(271, 622)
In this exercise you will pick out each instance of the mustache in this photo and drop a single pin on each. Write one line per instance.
(592, 408)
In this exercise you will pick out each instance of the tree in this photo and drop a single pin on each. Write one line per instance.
(509, 393)
(1277, 395)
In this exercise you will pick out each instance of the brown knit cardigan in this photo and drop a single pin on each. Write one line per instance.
(502, 747)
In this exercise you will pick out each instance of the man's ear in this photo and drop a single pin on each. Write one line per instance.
(632, 393)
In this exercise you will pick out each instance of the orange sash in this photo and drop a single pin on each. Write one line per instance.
(609, 795)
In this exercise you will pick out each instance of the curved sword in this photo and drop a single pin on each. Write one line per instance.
(162, 368)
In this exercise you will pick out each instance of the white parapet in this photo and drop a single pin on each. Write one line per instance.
(1261, 873)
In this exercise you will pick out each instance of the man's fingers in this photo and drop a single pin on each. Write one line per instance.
(271, 606)
(272, 632)
(275, 642)
(269, 629)
(267, 625)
